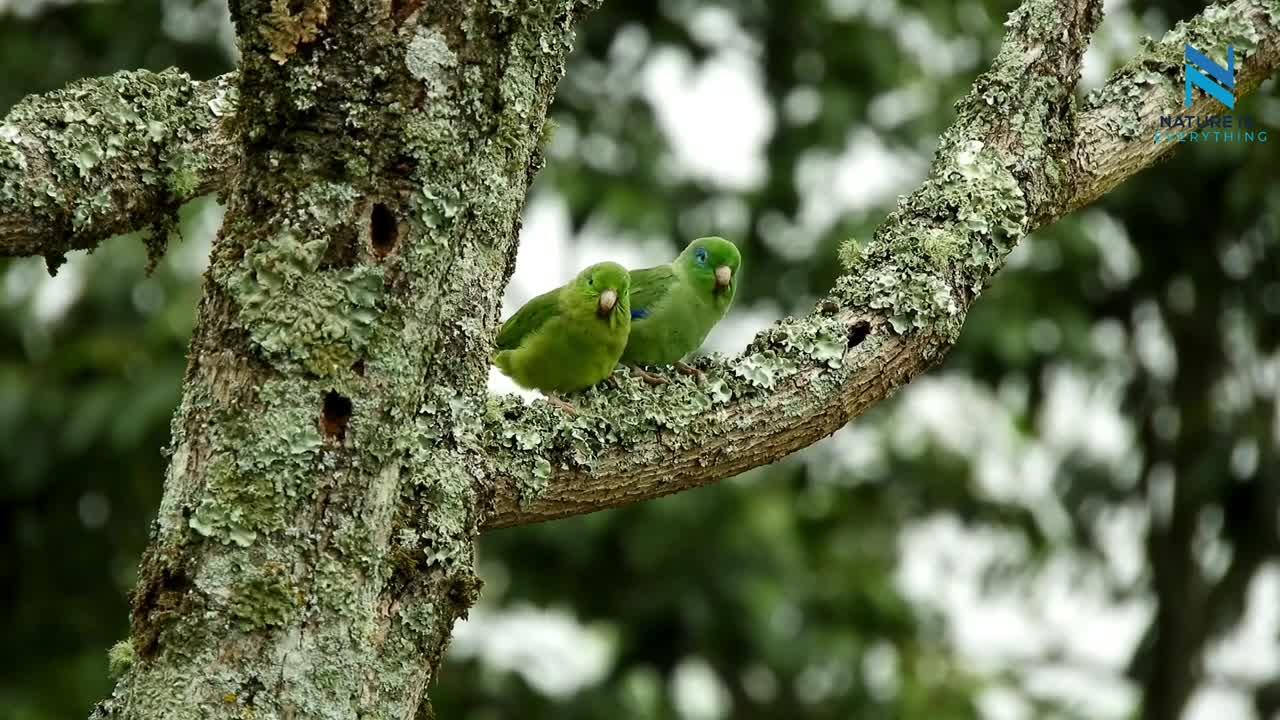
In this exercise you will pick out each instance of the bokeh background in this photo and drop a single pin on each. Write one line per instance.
(1075, 516)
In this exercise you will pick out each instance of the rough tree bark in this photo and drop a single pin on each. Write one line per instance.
(335, 454)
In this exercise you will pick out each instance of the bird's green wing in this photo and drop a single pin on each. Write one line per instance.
(528, 319)
(648, 288)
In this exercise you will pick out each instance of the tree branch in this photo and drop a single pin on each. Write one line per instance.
(1120, 119)
(1016, 158)
(108, 156)
(70, 176)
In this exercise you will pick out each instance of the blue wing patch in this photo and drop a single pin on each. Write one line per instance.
(639, 314)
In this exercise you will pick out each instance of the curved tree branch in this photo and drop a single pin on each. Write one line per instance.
(1119, 120)
(1018, 157)
(77, 200)
(108, 156)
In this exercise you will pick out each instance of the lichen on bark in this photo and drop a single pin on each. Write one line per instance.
(335, 453)
(314, 545)
(109, 155)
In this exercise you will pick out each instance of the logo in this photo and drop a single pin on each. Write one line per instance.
(1218, 82)
(1198, 64)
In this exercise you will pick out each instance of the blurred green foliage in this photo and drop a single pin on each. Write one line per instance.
(785, 582)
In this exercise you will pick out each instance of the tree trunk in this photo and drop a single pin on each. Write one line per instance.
(314, 545)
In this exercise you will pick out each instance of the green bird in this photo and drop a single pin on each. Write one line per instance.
(570, 338)
(674, 307)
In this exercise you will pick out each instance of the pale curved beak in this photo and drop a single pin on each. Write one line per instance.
(608, 299)
(724, 276)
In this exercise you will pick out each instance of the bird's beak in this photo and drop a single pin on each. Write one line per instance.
(724, 276)
(608, 299)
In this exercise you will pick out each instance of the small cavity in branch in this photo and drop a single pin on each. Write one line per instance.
(335, 417)
(384, 231)
(858, 332)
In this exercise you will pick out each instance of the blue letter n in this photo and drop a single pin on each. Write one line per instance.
(1226, 76)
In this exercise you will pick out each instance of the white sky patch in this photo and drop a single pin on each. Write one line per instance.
(740, 326)
(1115, 41)
(190, 256)
(1249, 651)
(862, 176)
(190, 21)
(1152, 342)
(1007, 466)
(1120, 530)
(1120, 262)
(854, 454)
(941, 568)
(1218, 703)
(901, 105)
(549, 649)
(1061, 631)
(1001, 702)
(715, 115)
(1081, 415)
(936, 54)
(1099, 695)
(31, 8)
(51, 297)
(718, 26)
(697, 691)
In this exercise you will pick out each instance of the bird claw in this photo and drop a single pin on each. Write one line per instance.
(648, 377)
(689, 370)
(565, 406)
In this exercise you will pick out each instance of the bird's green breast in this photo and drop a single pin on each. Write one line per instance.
(572, 351)
(675, 327)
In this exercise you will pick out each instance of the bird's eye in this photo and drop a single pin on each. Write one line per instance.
(702, 255)
(591, 281)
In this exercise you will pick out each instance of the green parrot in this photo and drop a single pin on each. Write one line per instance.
(569, 338)
(674, 307)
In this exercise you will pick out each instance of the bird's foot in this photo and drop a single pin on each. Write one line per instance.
(647, 376)
(565, 406)
(690, 371)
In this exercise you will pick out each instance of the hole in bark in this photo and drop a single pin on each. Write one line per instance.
(383, 230)
(358, 368)
(337, 413)
(858, 333)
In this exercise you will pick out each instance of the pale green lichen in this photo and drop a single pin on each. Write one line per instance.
(255, 474)
(941, 245)
(298, 313)
(429, 59)
(765, 369)
(1159, 64)
(373, 511)
(263, 596)
(141, 136)
(1216, 28)
(224, 521)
